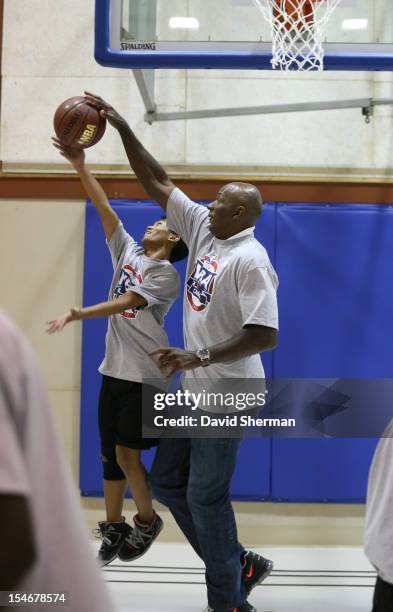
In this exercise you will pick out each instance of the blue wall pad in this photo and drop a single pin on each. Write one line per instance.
(97, 275)
(252, 478)
(321, 470)
(336, 300)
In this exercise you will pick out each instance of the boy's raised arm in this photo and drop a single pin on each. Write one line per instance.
(97, 195)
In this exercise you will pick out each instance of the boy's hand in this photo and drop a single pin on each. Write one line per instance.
(107, 111)
(76, 157)
(73, 314)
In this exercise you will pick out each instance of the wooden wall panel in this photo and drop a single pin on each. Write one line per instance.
(52, 187)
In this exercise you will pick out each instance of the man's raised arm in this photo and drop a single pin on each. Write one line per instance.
(148, 171)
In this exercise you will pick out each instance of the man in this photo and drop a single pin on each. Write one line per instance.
(230, 316)
(44, 544)
(379, 521)
(143, 288)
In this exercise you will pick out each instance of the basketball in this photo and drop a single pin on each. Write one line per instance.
(293, 13)
(78, 124)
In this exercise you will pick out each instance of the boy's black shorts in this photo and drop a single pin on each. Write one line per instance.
(120, 416)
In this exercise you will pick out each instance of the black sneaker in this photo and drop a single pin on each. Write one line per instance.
(140, 539)
(255, 570)
(113, 535)
(246, 607)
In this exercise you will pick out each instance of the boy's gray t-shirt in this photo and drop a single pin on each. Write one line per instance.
(379, 517)
(229, 284)
(133, 334)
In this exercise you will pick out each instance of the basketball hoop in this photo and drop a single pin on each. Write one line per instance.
(298, 29)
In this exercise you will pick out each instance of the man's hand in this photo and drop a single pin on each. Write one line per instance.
(76, 157)
(171, 360)
(73, 314)
(149, 172)
(107, 111)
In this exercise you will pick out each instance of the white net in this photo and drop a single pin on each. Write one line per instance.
(298, 30)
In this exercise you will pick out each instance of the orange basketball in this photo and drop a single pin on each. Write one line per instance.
(289, 12)
(78, 124)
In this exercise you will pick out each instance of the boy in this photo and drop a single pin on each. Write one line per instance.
(143, 288)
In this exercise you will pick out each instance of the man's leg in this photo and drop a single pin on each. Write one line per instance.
(212, 463)
(169, 480)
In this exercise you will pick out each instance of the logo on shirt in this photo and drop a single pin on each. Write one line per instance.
(129, 277)
(200, 285)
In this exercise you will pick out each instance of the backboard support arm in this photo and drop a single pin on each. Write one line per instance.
(152, 115)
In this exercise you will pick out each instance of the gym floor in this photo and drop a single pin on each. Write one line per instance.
(314, 579)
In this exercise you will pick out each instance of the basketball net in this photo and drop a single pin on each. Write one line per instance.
(297, 29)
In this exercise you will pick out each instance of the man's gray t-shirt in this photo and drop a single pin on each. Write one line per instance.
(133, 334)
(229, 284)
(379, 518)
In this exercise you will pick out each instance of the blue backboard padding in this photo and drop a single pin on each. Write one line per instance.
(336, 304)
(97, 275)
(108, 57)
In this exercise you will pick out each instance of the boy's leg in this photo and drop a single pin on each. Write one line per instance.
(129, 445)
(114, 479)
(147, 524)
(113, 530)
(129, 460)
(114, 491)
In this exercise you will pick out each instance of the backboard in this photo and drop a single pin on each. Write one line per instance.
(232, 34)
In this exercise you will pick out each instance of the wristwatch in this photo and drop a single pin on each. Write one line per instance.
(204, 355)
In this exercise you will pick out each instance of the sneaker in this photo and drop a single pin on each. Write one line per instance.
(113, 536)
(140, 539)
(255, 570)
(246, 607)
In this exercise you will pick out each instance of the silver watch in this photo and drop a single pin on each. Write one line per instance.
(204, 355)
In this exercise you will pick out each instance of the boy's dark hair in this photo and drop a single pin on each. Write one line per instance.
(179, 251)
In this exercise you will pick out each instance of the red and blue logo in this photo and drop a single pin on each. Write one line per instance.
(129, 277)
(200, 285)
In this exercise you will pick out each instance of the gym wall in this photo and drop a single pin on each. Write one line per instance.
(59, 67)
(42, 204)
